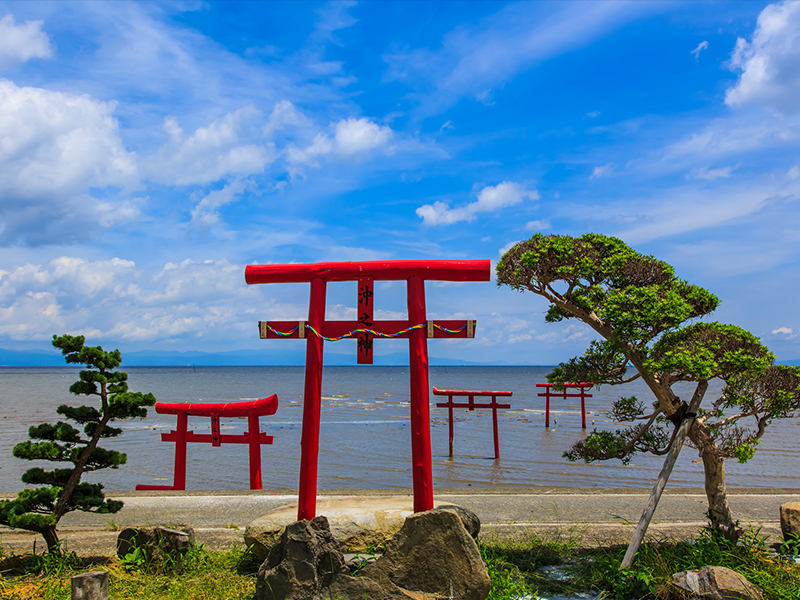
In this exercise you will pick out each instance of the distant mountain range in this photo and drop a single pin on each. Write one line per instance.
(170, 358)
(234, 358)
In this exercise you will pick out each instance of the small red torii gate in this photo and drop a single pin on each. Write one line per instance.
(471, 405)
(253, 437)
(417, 329)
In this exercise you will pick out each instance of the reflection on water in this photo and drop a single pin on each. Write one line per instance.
(364, 440)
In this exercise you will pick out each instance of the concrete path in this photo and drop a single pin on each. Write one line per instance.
(598, 516)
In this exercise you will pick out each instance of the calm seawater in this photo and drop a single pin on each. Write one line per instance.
(365, 433)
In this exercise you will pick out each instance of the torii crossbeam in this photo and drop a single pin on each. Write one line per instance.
(417, 329)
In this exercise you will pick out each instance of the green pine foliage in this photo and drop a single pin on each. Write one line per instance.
(648, 322)
(39, 509)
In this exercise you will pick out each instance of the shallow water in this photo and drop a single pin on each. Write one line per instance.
(364, 440)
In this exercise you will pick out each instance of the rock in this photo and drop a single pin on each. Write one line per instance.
(306, 564)
(357, 523)
(470, 520)
(431, 553)
(157, 543)
(716, 583)
(790, 519)
(90, 586)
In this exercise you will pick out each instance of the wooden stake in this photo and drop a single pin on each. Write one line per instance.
(666, 470)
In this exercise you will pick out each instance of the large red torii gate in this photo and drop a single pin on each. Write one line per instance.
(417, 329)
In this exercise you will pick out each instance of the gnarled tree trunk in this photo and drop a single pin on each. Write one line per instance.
(719, 512)
(51, 538)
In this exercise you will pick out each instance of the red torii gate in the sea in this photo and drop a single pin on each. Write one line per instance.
(417, 329)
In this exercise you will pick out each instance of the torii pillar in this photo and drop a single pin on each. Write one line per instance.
(417, 329)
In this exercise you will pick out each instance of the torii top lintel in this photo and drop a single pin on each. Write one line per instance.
(381, 270)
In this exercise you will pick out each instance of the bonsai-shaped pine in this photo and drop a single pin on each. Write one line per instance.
(40, 509)
(648, 321)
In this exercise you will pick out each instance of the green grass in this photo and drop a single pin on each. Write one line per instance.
(515, 568)
(203, 575)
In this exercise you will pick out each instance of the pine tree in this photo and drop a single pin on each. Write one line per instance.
(648, 321)
(40, 509)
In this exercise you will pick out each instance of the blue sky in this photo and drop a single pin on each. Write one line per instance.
(149, 151)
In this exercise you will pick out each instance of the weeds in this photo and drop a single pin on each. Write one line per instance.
(524, 568)
(790, 545)
(651, 575)
(204, 574)
(363, 558)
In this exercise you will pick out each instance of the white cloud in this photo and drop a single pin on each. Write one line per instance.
(710, 174)
(600, 171)
(54, 147)
(349, 137)
(568, 333)
(360, 135)
(593, 114)
(205, 213)
(700, 47)
(782, 331)
(490, 199)
(690, 208)
(770, 62)
(284, 115)
(473, 61)
(211, 152)
(20, 43)
(793, 173)
(506, 248)
(537, 225)
(113, 298)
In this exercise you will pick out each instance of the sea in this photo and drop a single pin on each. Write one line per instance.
(365, 434)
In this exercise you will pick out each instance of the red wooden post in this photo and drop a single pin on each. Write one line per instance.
(364, 316)
(422, 471)
(583, 407)
(312, 400)
(494, 421)
(254, 430)
(450, 420)
(547, 407)
(179, 479)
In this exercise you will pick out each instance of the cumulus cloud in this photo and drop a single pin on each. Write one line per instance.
(20, 43)
(211, 152)
(54, 147)
(347, 138)
(284, 116)
(782, 331)
(490, 199)
(769, 63)
(114, 298)
(537, 225)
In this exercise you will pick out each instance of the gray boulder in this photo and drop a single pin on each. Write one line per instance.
(358, 523)
(470, 520)
(306, 564)
(716, 583)
(433, 553)
(790, 519)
